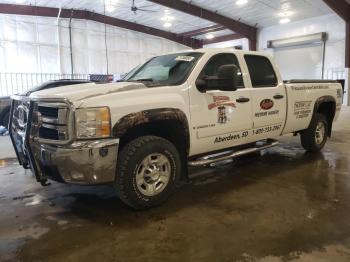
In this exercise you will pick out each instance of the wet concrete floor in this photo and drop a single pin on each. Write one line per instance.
(284, 205)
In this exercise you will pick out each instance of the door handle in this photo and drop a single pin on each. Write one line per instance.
(278, 96)
(242, 100)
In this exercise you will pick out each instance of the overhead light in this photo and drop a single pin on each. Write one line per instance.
(167, 11)
(241, 2)
(110, 8)
(286, 13)
(167, 18)
(167, 24)
(284, 20)
(209, 36)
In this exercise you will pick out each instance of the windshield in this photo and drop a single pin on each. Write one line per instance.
(170, 69)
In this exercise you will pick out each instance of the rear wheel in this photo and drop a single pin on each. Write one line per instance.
(147, 172)
(314, 138)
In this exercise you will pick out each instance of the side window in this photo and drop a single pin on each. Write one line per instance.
(211, 68)
(261, 71)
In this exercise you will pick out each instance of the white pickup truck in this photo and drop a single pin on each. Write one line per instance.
(191, 108)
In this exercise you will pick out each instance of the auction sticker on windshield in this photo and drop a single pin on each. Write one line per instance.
(184, 58)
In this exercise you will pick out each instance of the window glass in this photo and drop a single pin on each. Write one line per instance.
(170, 69)
(261, 71)
(212, 67)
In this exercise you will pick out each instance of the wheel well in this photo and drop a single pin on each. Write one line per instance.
(172, 130)
(328, 110)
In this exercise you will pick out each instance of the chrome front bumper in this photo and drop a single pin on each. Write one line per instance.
(92, 162)
(72, 161)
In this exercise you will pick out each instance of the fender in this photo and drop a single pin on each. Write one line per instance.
(324, 99)
(148, 116)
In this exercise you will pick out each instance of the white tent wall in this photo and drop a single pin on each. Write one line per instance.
(29, 44)
(331, 24)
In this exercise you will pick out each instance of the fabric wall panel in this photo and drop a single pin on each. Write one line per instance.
(2, 57)
(79, 39)
(96, 41)
(121, 43)
(26, 32)
(134, 45)
(9, 29)
(27, 59)
(65, 60)
(126, 48)
(47, 34)
(64, 36)
(11, 56)
(81, 61)
(97, 62)
(49, 59)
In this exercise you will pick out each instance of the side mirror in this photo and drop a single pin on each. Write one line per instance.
(226, 80)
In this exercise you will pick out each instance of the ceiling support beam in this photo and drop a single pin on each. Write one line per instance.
(252, 45)
(341, 7)
(203, 31)
(347, 46)
(222, 38)
(87, 15)
(245, 30)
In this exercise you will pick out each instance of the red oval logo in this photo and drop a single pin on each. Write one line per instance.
(266, 104)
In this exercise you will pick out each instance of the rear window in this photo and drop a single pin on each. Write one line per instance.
(261, 71)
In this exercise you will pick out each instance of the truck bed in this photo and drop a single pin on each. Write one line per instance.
(308, 81)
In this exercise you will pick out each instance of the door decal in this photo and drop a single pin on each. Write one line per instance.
(266, 104)
(221, 103)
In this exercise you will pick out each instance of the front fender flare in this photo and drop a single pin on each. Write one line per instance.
(148, 116)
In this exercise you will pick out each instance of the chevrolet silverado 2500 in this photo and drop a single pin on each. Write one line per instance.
(191, 108)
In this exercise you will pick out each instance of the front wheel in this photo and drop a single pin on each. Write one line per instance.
(314, 138)
(147, 171)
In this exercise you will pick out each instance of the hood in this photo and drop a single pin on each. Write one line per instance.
(82, 92)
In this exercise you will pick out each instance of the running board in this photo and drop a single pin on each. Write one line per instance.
(207, 160)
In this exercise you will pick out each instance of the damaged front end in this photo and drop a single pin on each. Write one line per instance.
(43, 135)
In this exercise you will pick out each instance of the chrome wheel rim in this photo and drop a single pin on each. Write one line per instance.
(320, 133)
(153, 174)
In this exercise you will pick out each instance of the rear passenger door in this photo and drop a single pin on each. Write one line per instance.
(269, 101)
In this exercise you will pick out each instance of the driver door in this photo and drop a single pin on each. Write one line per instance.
(219, 119)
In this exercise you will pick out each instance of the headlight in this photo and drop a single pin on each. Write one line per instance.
(93, 122)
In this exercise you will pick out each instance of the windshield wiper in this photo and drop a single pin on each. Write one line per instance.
(138, 80)
(145, 80)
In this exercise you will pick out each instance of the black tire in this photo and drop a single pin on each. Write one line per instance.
(6, 119)
(130, 159)
(308, 136)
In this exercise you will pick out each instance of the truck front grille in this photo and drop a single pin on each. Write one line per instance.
(50, 121)
(53, 121)
(48, 111)
(48, 133)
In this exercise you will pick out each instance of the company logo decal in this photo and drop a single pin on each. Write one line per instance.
(266, 104)
(221, 103)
